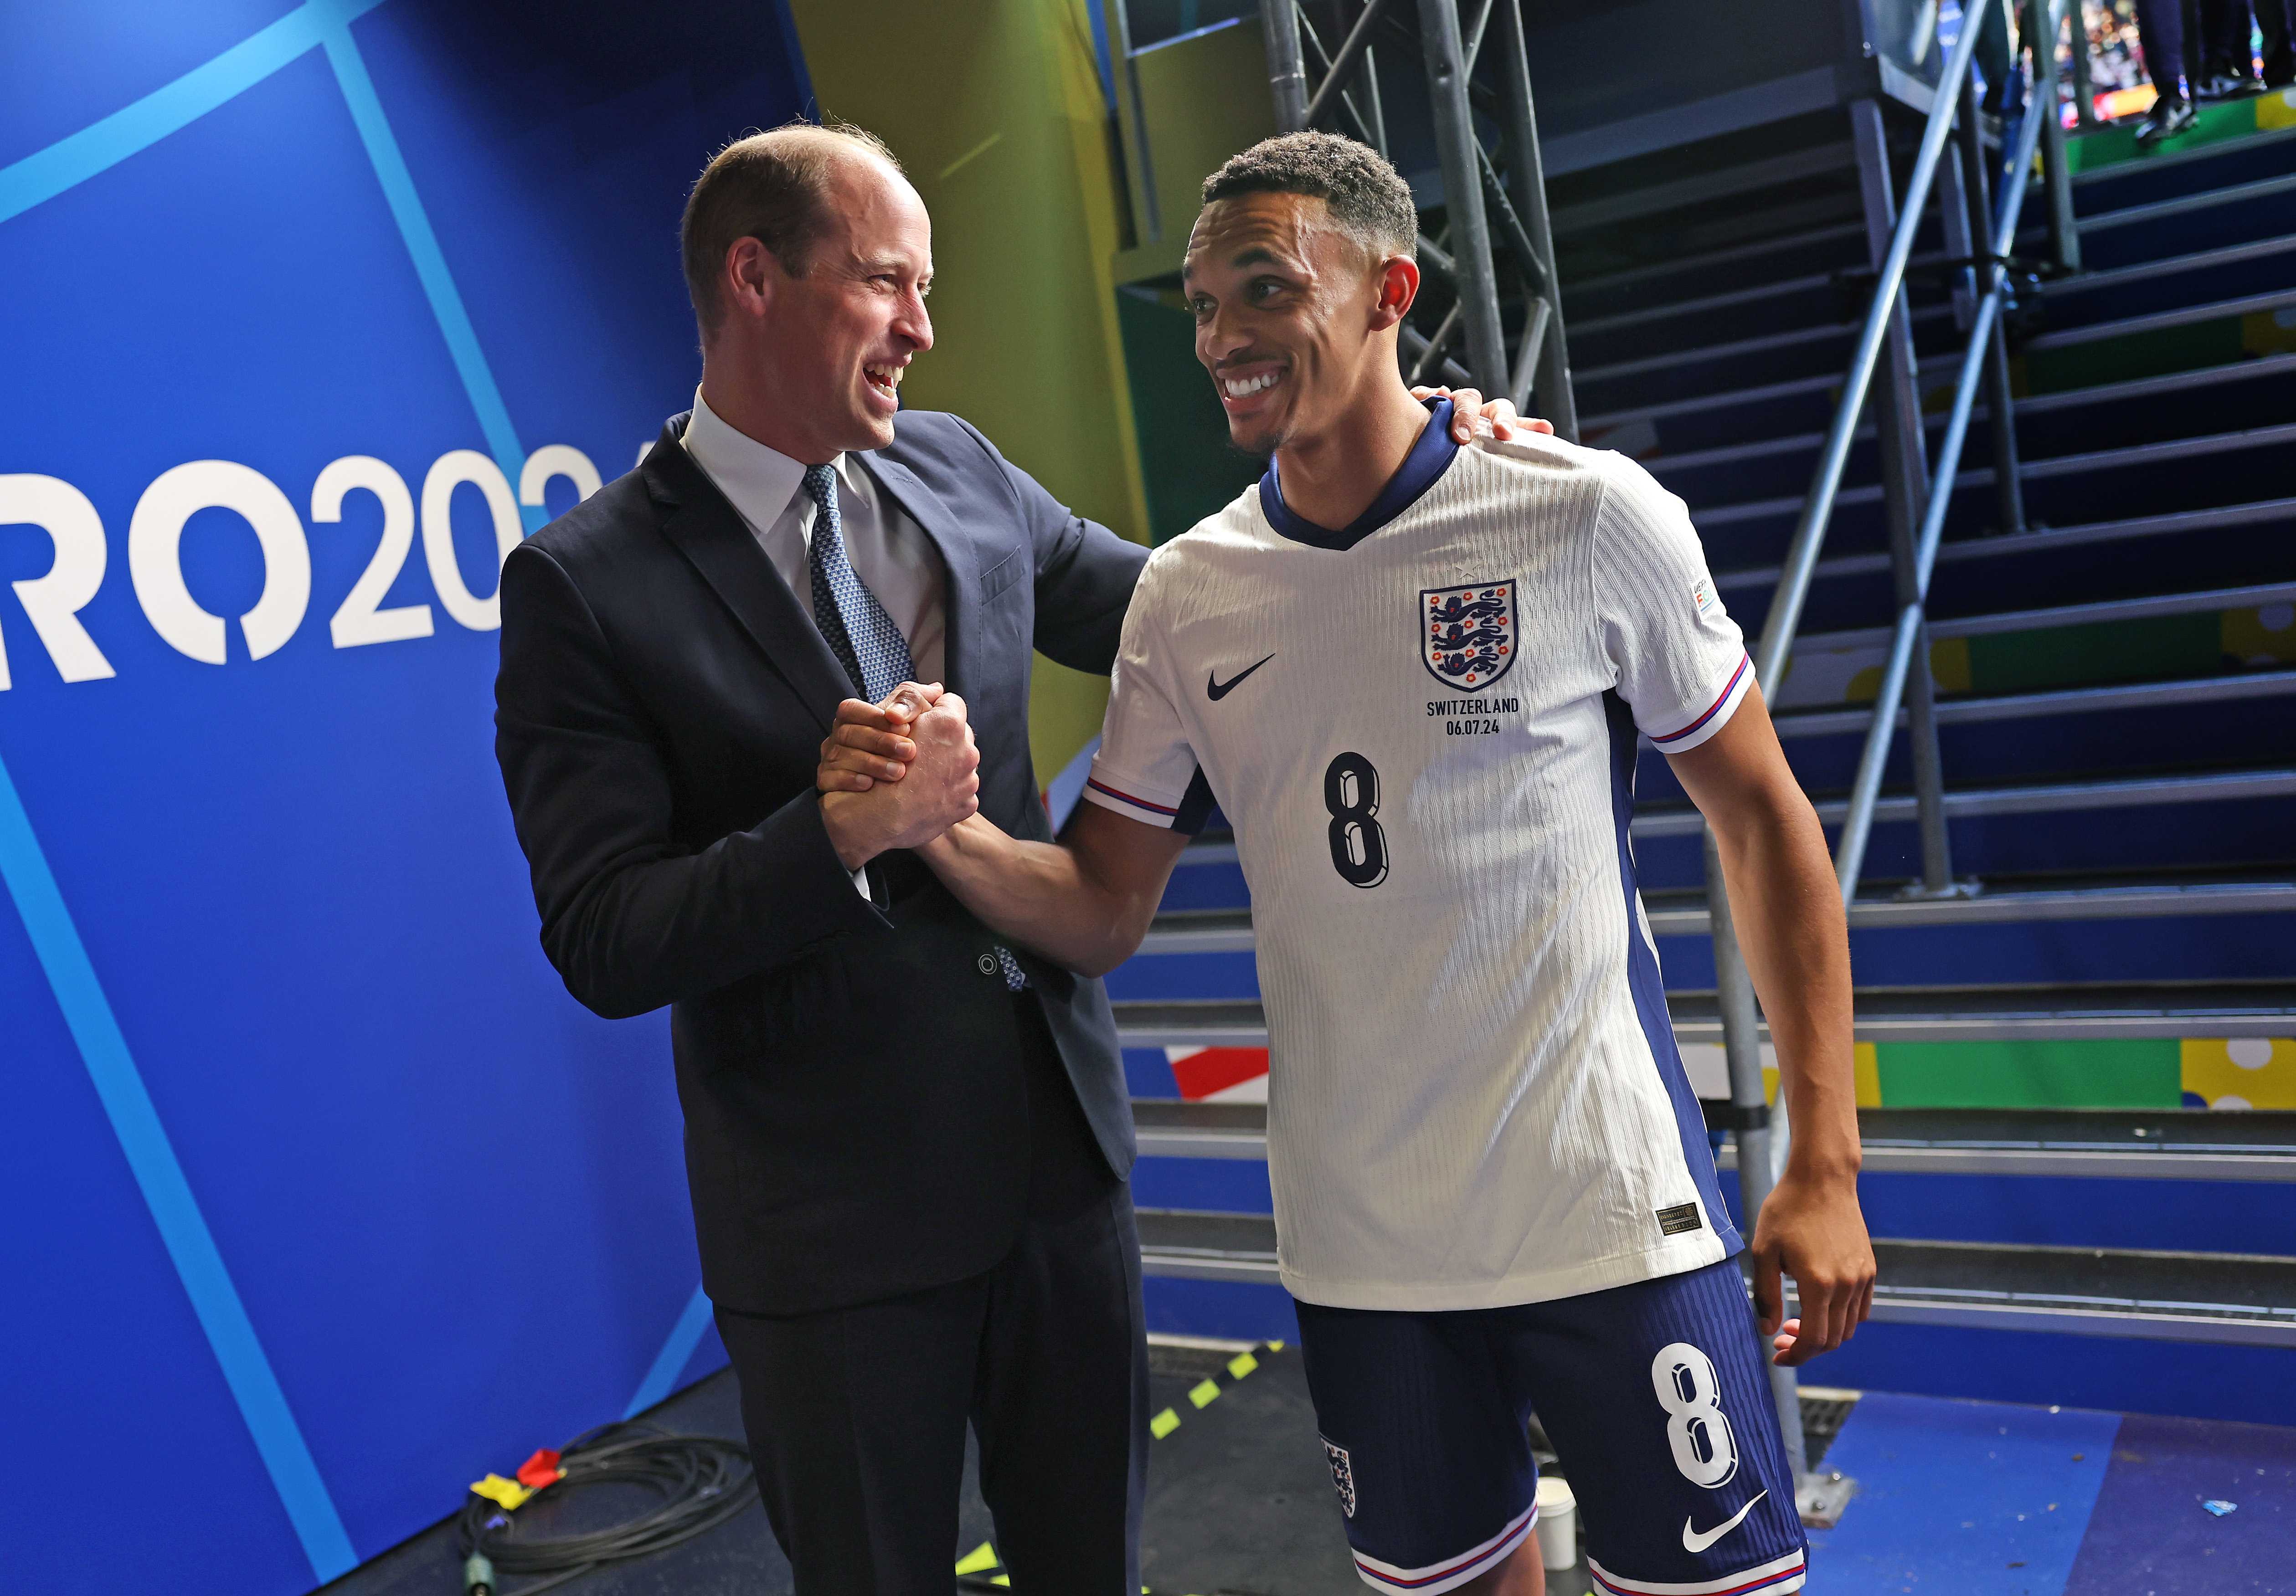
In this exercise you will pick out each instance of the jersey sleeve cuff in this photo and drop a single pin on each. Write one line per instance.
(1184, 811)
(1714, 717)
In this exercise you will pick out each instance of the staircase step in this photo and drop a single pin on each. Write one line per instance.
(2070, 1012)
(2084, 1143)
(2031, 706)
(1928, 1014)
(2263, 513)
(2004, 622)
(2037, 799)
(2188, 315)
(1674, 915)
(2159, 1296)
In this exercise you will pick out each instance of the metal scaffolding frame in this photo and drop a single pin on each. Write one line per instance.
(1493, 186)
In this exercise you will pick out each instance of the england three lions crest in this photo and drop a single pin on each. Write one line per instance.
(1467, 635)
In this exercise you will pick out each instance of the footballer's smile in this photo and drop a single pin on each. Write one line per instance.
(1282, 297)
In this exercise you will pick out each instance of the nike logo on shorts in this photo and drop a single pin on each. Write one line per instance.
(1215, 689)
(1700, 1539)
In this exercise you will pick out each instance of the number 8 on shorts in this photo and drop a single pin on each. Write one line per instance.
(1704, 1449)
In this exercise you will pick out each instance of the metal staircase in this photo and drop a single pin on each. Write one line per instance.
(2100, 651)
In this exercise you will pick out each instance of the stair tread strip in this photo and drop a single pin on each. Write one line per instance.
(2070, 700)
(2207, 199)
(2200, 1297)
(2039, 541)
(2215, 310)
(2144, 271)
(2002, 622)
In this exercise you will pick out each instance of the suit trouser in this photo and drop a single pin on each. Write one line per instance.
(2160, 30)
(856, 1416)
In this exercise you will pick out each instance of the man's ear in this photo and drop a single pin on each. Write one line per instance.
(1398, 286)
(750, 277)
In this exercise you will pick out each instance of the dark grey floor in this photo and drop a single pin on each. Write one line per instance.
(1240, 1503)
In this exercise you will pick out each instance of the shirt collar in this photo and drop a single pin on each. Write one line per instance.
(1431, 456)
(761, 482)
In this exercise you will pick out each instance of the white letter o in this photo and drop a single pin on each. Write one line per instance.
(451, 471)
(155, 535)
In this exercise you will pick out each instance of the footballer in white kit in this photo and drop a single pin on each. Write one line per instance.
(1494, 1191)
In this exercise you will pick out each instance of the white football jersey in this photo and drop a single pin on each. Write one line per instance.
(1423, 729)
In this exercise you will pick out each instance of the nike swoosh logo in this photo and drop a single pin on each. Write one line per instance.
(1215, 689)
(1694, 1541)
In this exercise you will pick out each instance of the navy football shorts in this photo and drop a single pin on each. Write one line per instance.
(1654, 1394)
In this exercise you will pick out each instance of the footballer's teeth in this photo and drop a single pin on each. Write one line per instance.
(1243, 387)
(887, 377)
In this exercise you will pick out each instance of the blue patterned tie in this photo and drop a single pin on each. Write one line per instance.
(863, 638)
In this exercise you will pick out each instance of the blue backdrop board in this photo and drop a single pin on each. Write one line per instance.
(322, 1198)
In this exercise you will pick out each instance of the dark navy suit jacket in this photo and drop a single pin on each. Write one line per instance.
(855, 1121)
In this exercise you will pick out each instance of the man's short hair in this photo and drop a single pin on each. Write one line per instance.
(1363, 193)
(770, 186)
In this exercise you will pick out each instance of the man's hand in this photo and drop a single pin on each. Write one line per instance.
(1470, 414)
(1811, 1229)
(940, 787)
(870, 743)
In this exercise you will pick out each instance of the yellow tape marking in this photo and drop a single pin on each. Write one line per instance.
(1163, 1424)
(1204, 1394)
(1241, 1365)
(983, 1556)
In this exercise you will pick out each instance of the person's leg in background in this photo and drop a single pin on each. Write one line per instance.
(2160, 33)
(2276, 19)
(2228, 69)
(1060, 1400)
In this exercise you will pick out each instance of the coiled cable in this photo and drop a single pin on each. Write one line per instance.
(703, 1480)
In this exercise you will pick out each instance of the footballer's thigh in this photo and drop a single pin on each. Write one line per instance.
(1429, 1453)
(1657, 1398)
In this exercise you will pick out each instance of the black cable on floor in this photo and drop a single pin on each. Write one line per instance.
(703, 1481)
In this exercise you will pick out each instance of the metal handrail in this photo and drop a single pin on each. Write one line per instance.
(1858, 824)
(1825, 483)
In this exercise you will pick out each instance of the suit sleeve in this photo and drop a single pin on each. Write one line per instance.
(1084, 573)
(632, 919)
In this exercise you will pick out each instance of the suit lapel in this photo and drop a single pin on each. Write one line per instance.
(961, 599)
(714, 537)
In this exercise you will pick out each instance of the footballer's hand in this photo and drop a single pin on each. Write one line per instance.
(940, 787)
(1470, 414)
(869, 743)
(1811, 1229)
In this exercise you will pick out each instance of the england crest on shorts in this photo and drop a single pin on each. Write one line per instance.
(1467, 635)
(1343, 1476)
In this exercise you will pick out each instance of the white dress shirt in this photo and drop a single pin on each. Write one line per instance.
(890, 552)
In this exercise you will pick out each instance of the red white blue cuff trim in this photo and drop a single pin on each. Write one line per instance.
(1111, 798)
(1438, 1577)
(1778, 1576)
(1717, 713)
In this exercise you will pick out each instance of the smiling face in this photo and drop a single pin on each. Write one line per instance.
(836, 341)
(1295, 315)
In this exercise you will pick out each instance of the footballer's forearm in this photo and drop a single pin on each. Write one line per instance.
(1790, 927)
(1085, 904)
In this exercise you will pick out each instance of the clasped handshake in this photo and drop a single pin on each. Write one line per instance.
(898, 774)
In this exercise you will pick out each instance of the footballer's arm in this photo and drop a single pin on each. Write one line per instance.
(1083, 903)
(1787, 909)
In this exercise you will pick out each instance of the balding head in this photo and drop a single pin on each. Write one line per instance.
(776, 187)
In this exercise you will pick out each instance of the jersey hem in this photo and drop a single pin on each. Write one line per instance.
(1577, 1280)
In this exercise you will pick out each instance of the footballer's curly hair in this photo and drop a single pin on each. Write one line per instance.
(1365, 195)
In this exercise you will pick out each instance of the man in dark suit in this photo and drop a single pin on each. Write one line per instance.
(897, 1240)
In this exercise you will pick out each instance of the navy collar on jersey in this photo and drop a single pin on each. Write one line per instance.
(1431, 456)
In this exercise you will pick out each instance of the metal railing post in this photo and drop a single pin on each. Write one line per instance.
(2084, 85)
(1765, 1153)
(1760, 1132)
(2000, 403)
(1905, 475)
(1526, 185)
(1441, 48)
(1147, 216)
(1287, 74)
(2064, 236)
